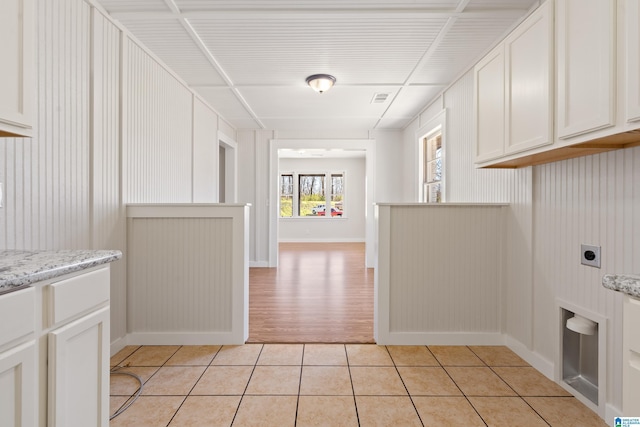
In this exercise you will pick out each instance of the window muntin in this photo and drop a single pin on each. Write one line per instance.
(307, 194)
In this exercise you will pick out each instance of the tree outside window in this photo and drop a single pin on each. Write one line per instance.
(286, 196)
(305, 195)
(311, 194)
(337, 192)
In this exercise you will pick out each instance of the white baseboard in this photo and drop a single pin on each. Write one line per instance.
(545, 366)
(118, 345)
(323, 240)
(442, 338)
(611, 412)
(184, 338)
(260, 264)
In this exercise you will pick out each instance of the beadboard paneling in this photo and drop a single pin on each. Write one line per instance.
(443, 273)
(206, 149)
(465, 183)
(46, 178)
(518, 287)
(188, 274)
(157, 132)
(593, 200)
(108, 223)
(181, 280)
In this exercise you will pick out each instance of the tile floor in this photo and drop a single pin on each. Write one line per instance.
(338, 385)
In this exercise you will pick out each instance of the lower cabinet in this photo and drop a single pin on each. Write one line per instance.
(631, 357)
(54, 352)
(78, 372)
(18, 386)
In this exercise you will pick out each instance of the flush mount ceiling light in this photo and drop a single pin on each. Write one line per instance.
(321, 82)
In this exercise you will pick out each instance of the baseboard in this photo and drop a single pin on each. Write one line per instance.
(118, 345)
(611, 412)
(442, 338)
(184, 338)
(546, 367)
(322, 240)
(259, 264)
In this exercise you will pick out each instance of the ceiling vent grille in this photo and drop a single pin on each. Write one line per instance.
(379, 98)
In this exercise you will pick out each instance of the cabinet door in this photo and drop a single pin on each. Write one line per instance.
(586, 59)
(78, 390)
(488, 78)
(16, 73)
(632, 26)
(528, 86)
(18, 387)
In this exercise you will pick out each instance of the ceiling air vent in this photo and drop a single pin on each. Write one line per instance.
(379, 98)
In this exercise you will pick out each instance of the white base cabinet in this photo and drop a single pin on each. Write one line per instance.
(18, 404)
(54, 352)
(18, 386)
(631, 357)
(78, 391)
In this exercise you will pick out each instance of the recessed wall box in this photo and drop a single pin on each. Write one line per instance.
(590, 255)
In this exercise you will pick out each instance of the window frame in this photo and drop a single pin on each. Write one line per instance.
(328, 176)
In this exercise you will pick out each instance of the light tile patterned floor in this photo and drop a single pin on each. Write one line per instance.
(338, 385)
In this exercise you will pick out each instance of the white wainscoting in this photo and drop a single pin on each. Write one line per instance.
(438, 277)
(188, 274)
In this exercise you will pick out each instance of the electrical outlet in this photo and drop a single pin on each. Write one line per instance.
(590, 255)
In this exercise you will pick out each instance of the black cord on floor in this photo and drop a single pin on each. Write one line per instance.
(115, 371)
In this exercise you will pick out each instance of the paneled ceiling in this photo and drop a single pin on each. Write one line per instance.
(249, 58)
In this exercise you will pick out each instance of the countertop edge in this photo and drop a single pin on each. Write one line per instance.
(45, 265)
(628, 284)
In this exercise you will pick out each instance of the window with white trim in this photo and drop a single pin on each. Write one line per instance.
(308, 194)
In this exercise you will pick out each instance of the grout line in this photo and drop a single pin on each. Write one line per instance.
(295, 420)
(404, 385)
(463, 393)
(353, 390)
(248, 382)
(349, 367)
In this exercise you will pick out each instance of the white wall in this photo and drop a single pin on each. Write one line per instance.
(553, 209)
(593, 200)
(64, 187)
(349, 228)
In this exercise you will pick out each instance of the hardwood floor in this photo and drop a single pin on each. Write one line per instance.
(320, 293)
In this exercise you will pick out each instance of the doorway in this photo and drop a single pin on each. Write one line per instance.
(367, 146)
(227, 169)
(320, 293)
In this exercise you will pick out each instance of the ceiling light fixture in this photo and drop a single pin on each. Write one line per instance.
(321, 82)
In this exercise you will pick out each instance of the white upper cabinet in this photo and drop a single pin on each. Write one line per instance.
(585, 66)
(16, 73)
(488, 83)
(529, 82)
(513, 90)
(632, 13)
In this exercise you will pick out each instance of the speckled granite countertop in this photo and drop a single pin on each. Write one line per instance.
(19, 269)
(625, 283)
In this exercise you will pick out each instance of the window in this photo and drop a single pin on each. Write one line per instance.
(286, 196)
(311, 197)
(431, 155)
(337, 192)
(432, 173)
(307, 194)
